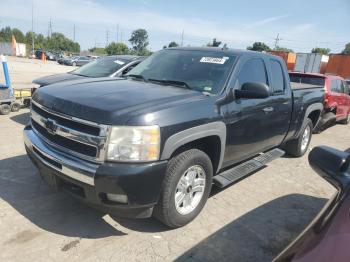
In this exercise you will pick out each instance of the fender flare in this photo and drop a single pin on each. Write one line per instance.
(189, 135)
(311, 108)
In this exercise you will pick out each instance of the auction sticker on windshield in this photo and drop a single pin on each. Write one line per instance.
(214, 60)
(119, 62)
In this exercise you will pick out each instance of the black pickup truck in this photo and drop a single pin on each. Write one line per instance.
(154, 142)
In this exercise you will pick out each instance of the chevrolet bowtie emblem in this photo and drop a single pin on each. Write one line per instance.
(51, 126)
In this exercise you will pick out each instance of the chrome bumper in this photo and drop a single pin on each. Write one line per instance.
(70, 166)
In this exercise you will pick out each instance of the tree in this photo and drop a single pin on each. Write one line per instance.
(98, 50)
(259, 46)
(283, 49)
(117, 49)
(20, 38)
(319, 50)
(139, 41)
(58, 41)
(6, 34)
(215, 43)
(173, 44)
(346, 51)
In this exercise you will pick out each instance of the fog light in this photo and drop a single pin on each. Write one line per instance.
(118, 198)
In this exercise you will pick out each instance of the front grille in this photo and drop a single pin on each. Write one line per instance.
(66, 143)
(75, 136)
(95, 131)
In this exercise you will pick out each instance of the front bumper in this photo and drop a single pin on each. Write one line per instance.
(90, 182)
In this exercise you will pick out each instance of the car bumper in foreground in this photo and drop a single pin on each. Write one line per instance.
(138, 185)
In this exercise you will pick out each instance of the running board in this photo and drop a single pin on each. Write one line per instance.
(245, 169)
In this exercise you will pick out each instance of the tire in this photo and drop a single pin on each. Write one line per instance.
(74, 64)
(183, 166)
(299, 146)
(345, 121)
(5, 109)
(15, 107)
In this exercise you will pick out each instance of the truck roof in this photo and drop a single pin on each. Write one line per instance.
(231, 51)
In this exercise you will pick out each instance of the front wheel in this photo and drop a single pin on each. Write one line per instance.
(299, 146)
(186, 188)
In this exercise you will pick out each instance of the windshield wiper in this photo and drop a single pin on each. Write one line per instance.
(137, 76)
(171, 82)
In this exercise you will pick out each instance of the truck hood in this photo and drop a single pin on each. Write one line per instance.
(112, 101)
(52, 79)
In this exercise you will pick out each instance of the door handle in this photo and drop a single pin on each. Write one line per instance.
(268, 109)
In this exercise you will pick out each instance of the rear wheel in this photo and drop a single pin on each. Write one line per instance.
(346, 120)
(186, 188)
(299, 146)
(5, 109)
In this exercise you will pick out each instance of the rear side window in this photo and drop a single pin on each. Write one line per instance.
(336, 86)
(277, 76)
(304, 81)
(254, 70)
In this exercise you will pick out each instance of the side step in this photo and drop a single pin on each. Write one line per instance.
(238, 172)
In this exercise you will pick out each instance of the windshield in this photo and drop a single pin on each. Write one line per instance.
(101, 67)
(204, 71)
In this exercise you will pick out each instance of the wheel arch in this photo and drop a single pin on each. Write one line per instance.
(211, 138)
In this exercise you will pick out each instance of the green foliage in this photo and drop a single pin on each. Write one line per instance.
(259, 46)
(139, 41)
(117, 49)
(319, 50)
(173, 44)
(98, 51)
(346, 51)
(6, 34)
(57, 41)
(283, 49)
(215, 43)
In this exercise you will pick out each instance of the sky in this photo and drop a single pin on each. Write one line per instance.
(301, 24)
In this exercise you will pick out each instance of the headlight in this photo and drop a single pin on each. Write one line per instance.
(137, 143)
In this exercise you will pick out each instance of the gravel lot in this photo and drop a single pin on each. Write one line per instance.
(252, 220)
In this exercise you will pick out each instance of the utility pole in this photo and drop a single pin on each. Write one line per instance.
(277, 39)
(121, 36)
(33, 36)
(74, 33)
(49, 32)
(182, 37)
(107, 37)
(117, 33)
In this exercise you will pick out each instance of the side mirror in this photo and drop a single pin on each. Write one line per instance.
(253, 90)
(332, 165)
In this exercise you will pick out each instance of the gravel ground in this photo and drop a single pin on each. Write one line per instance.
(252, 220)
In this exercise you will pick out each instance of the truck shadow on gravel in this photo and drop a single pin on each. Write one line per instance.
(261, 234)
(57, 212)
(22, 119)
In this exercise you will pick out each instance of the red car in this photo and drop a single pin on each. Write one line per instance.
(337, 98)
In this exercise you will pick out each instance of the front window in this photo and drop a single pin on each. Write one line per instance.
(102, 67)
(204, 71)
